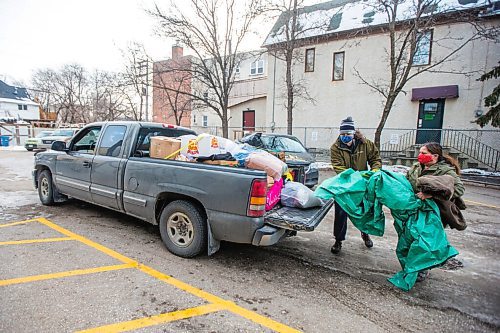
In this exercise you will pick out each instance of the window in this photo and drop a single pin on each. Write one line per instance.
(237, 70)
(422, 54)
(338, 66)
(205, 121)
(25, 107)
(19, 107)
(112, 140)
(145, 134)
(85, 141)
(310, 60)
(194, 119)
(257, 67)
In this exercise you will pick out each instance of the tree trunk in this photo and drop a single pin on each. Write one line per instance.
(225, 120)
(385, 115)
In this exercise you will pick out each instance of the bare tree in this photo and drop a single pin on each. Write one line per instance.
(291, 32)
(214, 31)
(67, 89)
(80, 97)
(134, 79)
(107, 102)
(173, 83)
(407, 40)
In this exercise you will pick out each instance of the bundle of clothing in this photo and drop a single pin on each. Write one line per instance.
(422, 242)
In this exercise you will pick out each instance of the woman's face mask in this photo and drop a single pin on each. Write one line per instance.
(425, 158)
(346, 138)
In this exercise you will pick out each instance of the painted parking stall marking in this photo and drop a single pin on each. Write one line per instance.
(215, 303)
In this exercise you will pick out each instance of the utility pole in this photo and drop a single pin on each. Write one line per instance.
(145, 86)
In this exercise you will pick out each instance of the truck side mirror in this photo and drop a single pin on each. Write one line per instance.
(59, 146)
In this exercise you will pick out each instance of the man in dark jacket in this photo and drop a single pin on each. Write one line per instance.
(351, 150)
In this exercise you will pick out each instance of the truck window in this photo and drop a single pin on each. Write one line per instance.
(145, 134)
(86, 140)
(112, 140)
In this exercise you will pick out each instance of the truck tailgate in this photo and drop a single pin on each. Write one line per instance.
(296, 218)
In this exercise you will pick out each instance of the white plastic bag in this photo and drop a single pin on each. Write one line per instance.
(205, 145)
(298, 195)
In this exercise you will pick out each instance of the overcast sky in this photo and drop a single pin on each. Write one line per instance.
(37, 34)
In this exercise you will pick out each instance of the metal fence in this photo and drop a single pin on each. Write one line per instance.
(323, 137)
(481, 145)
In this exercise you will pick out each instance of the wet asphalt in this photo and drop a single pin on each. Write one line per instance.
(297, 283)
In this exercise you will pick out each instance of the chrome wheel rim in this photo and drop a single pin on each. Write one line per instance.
(44, 187)
(180, 229)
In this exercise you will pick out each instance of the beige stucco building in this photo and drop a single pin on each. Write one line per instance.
(450, 94)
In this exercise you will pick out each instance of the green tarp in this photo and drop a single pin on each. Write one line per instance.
(422, 240)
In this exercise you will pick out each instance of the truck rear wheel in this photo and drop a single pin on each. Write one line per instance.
(183, 229)
(45, 188)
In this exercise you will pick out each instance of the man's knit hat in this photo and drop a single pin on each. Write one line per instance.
(347, 126)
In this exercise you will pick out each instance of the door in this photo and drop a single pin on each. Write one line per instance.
(430, 121)
(249, 121)
(73, 168)
(107, 167)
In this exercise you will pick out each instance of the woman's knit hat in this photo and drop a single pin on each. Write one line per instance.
(347, 126)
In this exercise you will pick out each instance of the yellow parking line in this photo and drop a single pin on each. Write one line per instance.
(230, 306)
(88, 242)
(63, 274)
(481, 204)
(155, 320)
(41, 240)
(16, 223)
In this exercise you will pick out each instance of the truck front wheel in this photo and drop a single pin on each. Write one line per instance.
(45, 188)
(183, 229)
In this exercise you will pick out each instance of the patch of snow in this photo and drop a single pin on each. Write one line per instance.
(356, 15)
(13, 148)
(324, 166)
(396, 168)
(479, 172)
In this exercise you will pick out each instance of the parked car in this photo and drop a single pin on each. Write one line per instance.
(61, 134)
(301, 164)
(196, 205)
(34, 143)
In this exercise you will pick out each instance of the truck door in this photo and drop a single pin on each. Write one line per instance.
(106, 181)
(73, 168)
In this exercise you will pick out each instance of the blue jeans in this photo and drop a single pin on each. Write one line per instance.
(340, 223)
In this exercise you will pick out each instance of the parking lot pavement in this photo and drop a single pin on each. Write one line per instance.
(73, 267)
(297, 282)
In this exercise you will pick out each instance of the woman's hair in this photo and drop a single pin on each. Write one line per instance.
(435, 148)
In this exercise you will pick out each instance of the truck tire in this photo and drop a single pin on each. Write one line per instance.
(45, 188)
(183, 229)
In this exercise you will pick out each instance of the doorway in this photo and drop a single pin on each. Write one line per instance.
(430, 121)
(249, 121)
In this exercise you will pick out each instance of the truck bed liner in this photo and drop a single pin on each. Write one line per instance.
(297, 218)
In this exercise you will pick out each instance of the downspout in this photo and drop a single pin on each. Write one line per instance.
(273, 124)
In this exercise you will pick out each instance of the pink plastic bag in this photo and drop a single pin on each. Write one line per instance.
(274, 194)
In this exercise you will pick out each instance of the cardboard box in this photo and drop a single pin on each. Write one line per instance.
(163, 146)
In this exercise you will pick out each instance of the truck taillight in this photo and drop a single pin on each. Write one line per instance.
(257, 201)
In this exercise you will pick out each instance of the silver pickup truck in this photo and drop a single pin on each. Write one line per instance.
(195, 205)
